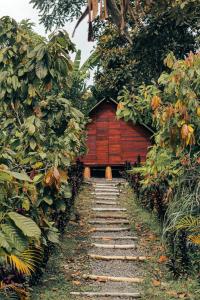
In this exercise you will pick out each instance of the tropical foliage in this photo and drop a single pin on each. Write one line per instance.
(169, 180)
(42, 134)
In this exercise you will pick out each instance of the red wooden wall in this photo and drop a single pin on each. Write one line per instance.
(111, 141)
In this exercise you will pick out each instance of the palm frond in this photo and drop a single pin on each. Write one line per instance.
(26, 262)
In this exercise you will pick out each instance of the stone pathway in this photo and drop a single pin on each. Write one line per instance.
(116, 269)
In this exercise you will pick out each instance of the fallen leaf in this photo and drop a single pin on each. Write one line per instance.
(182, 295)
(76, 282)
(172, 293)
(156, 282)
(162, 259)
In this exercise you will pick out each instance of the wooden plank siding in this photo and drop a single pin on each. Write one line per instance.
(111, 141)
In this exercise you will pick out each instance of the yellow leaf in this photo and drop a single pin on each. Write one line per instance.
(155, 102)
(37, 165)
(195, 239)
(156, 283)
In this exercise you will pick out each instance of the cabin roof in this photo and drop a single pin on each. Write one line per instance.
(116, 103)
(103, 100)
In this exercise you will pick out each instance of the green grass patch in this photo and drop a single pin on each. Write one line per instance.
(159, 283)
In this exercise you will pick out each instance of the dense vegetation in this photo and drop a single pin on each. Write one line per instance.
(42, 134)
(168, 182)
(148, 60)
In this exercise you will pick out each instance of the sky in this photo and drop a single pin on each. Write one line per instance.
(21, 9)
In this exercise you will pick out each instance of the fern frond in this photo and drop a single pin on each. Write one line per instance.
(195, 239)
(26, 262)
(189, 223)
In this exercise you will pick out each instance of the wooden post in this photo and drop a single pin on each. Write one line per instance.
(108, 173)
(87, 173)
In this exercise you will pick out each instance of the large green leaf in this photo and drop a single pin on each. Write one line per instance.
(21, 176)
(3, 242)
(26, 225)
(41, 70)
(15, 237)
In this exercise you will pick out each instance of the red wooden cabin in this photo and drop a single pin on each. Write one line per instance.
(112, 142)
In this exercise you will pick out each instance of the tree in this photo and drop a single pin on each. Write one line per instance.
(41, 136)
(132, 64)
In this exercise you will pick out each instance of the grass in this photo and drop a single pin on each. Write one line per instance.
(63, 272)
(159, 283)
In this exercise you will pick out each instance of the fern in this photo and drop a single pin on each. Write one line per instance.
(26, 262)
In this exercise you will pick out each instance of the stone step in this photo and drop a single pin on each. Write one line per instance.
(105, 202)
(119, 257)
(113, 278)
(108, 209)
(110, 229)
(107, 188)
(114, 246)
(114, 238)
(108, 222)
(106, 198)
(107, 294)
(107, 215)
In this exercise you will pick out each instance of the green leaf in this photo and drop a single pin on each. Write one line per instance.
(15, 236)
(41, 70)
(38, 178)
(33, 144)
(26, 225)
(26, 204)
(21, 176)
(53, 237)
(4, 176)
(48, 200)
(3, 242)
(31, 129)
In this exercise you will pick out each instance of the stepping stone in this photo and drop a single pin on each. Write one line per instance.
(118, 257)
(106, 198)
(114, 238)
(108, 222)
(114, 246)
(107, 294)
(110, 216)
(107, 229)
(113, 278)
(107, 190)
(106, 202)
(109, 209)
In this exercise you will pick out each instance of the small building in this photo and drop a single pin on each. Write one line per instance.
(111, 142)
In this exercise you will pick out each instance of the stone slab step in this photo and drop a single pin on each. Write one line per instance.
(108, 222)
(110, 229)
(106, 198)
(108, 209)
(106, 189)
(119, 257)
(107, 294)
(114, 238)
(106, 202)
(114, 246)
(107, 215)
(113, 278)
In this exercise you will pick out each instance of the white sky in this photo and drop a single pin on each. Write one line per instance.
(21, 9)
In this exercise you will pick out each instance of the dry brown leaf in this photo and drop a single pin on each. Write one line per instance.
(162, 259)
(156, 283)
(76, 282)
(172, 293)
